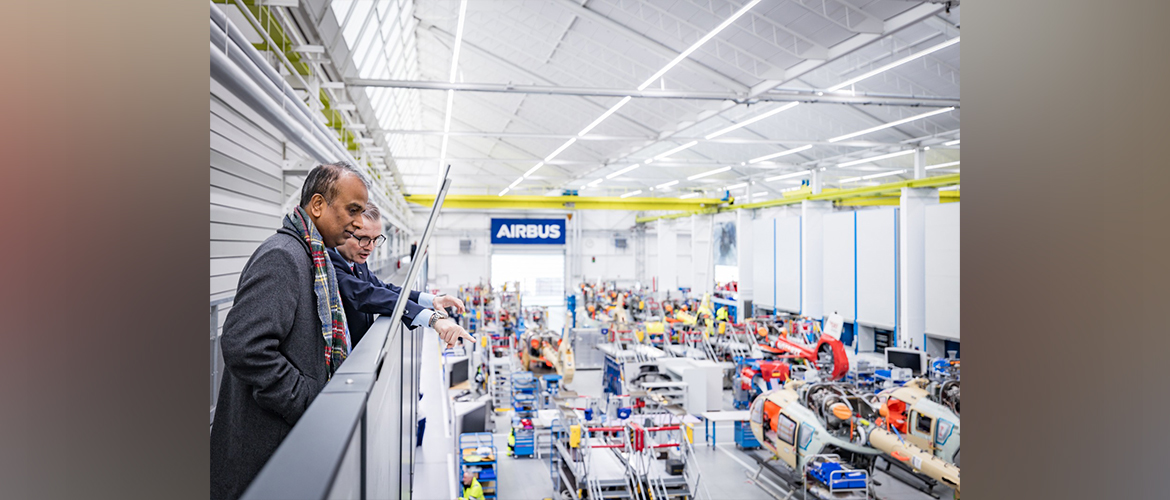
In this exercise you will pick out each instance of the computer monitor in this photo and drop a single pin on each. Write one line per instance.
(913, 359)
(458, 372)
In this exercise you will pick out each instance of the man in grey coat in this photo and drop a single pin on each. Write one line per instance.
(273, 348)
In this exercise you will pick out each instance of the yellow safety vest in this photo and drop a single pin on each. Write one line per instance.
(475, 491)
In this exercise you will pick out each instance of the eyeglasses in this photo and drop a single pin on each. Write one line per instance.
(364, 241)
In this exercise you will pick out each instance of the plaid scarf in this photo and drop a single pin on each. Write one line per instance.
(332, 316)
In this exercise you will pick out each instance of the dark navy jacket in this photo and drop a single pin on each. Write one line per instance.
(363, 295)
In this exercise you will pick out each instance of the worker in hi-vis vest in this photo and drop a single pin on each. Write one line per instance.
(472, 490)
(721, 315)
(511, 442)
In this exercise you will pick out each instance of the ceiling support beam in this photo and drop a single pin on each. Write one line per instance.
(634, 138)
(738, 97)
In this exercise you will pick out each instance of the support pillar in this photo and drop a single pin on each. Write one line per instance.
(702, 234)
(667, 255)
(920, 163)
(743, 248)
(812, 256)
(911, 265)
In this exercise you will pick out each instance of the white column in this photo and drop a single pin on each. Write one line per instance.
(743, 248)
(812, 256)
(920, 163)
(665, 266)
(818, 180)
(911, 264)
(701, 248)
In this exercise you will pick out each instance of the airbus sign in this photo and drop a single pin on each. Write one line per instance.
(528, 231)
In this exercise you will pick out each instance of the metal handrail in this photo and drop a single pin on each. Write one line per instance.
(323, 444)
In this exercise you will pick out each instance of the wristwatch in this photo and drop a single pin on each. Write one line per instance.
(438, 315)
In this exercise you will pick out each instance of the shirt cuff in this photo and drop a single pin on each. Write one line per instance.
(426, 300)
(423, 318)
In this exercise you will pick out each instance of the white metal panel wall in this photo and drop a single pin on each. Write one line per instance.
(788, 264)
(838, 264)
(942, 270)
(877, 261)
(763, 262)
(246, 192)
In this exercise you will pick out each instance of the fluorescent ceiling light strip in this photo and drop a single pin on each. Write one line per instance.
(562, 148)
(785, 190)
(949, 188)
(451, 93)
(632, 193)
(891, 124)
(787, 176)
(458, 39)
(894, 64)
(851, 179)
(689, 196)
(666, 184)
(594, 183)
(883, 174)
(745, 123)
(782, 153)
(531, 170)
(758, 194)
(743, 10)
(622, 171)
(709, 172)
(952, 143)
(515, 182)
(504, 191)
(604, 115)
(941, 165)
(675, 150)
(875, 158)
(735, 186)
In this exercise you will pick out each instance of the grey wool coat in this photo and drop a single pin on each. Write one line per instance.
(274, 356)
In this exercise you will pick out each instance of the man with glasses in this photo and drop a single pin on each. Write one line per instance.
(364, 295)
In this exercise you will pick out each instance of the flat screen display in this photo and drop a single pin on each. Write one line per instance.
(905, 359)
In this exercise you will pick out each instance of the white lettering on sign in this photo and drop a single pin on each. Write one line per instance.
(552, 231)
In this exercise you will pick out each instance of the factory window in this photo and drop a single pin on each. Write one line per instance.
(806, 435)
(922, 424)
(785, 428)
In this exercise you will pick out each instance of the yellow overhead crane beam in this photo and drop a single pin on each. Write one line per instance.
(943, 197)
(477, 201)
(863, 195)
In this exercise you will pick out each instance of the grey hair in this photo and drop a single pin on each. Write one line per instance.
(323, 180)
(372, 213)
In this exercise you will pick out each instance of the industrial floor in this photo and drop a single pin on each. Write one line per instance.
(726, 470)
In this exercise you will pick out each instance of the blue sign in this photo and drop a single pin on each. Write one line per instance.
(528, 231)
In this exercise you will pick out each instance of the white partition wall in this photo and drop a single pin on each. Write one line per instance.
(942, 270)
(812, 256)
(877, 261)
(764, 262)
(839, 264)
(787, 264)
